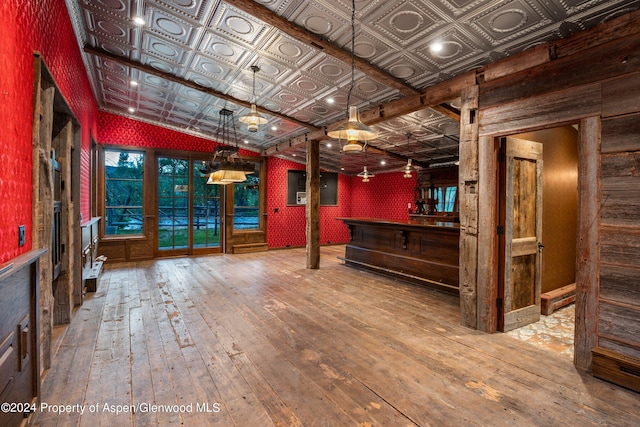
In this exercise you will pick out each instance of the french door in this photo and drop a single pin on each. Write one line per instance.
(189, 211)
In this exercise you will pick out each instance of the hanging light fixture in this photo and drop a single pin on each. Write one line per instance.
(354, 130)
(408, 168)
(253, 119)
(365, 174)
(226, 167)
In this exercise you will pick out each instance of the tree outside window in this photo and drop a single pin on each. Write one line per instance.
(246, 203)
(123, 188)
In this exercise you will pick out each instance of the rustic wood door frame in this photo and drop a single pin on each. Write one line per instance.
(55, 126)
(587, 262)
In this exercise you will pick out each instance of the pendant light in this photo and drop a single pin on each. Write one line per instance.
(226, 167)
(253, 119)
(408, 168)
(365, 174)
(354, 130)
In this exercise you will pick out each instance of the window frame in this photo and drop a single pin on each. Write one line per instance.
(103, 191)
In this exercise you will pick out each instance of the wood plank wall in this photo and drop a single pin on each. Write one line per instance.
(619, 297)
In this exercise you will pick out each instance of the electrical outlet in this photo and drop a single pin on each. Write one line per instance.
(21, 235)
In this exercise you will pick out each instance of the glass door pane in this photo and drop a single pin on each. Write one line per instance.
(173, 204)
(206, 226)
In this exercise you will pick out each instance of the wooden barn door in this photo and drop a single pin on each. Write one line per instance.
(522, 247)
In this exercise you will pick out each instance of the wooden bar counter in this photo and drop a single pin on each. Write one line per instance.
(420, 251)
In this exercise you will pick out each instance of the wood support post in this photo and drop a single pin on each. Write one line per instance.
(313, 204)
(588, 263)
(468, 197)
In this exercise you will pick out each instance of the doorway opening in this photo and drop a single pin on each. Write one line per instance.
(537, 250)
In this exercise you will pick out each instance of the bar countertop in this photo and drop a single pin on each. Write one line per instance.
(418, 223)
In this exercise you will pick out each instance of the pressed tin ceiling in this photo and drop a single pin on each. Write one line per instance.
(193, 57)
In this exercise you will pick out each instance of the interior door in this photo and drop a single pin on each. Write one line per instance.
(522, 265)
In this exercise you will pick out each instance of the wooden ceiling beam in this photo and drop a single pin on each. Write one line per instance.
(298, 32)
(184, 82)
(428, 98)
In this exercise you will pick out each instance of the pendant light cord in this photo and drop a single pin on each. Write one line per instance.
(353, 53)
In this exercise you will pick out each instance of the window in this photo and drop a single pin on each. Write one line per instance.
(246, 203)
(123, 192)
(446, 197)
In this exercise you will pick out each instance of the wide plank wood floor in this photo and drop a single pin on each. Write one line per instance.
(258, 340)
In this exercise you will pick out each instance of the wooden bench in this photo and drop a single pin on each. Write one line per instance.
(91, 281)
(249, 247)
(617, 368)
(553, 300)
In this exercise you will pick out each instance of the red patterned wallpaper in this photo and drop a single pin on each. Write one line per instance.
(384, 196)
(27, 26)
(287, 227)
(120, 130)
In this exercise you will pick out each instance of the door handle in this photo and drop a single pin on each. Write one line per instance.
(540, 246)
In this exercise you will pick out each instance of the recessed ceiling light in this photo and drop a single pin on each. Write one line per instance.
(382, 162)
(134, 83)
(274, 128)
(246, 141)
(139, 20)
(330, 100)
(132, 110)
(328, 145)
(436, 47)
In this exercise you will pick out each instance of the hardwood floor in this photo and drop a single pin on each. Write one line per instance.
(258, 340)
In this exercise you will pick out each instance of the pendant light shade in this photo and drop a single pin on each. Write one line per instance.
(253, 119)
(408, 168)
(224, 177)
(365, 175)
(353, 131)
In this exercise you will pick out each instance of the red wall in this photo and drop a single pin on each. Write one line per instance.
(120, 130)
(287, 227)
(385, 196)
(27, 26)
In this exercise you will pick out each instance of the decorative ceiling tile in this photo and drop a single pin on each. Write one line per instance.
(514, 19)
(117, 8)
(237, 25)
(171, 27)
(196, 10)
(221, 49)
(288, 51)
(407, 21)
